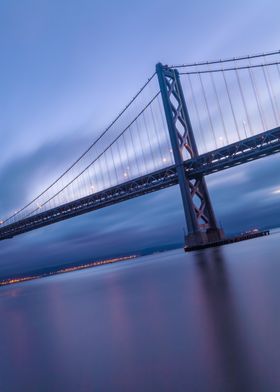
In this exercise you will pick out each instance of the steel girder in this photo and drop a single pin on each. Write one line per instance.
(234, 154)
(130, 189)
(264, 144)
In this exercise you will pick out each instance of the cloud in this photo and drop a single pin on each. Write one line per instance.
(25, 176)
(242, 196)
(54, 78)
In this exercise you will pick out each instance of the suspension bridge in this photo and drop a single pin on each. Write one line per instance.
(186, 122)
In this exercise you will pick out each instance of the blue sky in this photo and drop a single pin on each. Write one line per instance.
(68, 67)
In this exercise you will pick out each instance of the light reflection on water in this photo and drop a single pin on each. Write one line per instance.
(206, 321)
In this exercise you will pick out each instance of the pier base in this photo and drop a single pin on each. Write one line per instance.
(192, 245)
(204, 238)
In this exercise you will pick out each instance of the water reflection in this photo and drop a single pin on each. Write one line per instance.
(228, 348)
(170, 322)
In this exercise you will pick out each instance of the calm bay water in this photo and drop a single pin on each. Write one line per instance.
(205, 321)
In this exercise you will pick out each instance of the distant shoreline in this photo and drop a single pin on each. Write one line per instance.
(16, 280)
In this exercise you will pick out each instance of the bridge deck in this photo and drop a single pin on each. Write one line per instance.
(255, 147)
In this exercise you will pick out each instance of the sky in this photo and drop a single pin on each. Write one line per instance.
(68, 67)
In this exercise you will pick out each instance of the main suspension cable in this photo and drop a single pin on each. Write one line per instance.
(92, 162)
(229, 68)
(226, 60)
(85, 152)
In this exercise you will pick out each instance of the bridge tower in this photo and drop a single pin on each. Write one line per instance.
(200, 218)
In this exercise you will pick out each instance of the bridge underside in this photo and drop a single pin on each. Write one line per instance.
(255, 147)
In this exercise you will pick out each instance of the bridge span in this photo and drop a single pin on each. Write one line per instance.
(259, 146)
(186, 122)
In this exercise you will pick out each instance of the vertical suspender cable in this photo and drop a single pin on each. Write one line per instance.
(256, 95)
(148, 137)
(89, 185)
(156, 133)
(128, 169)
(278, 69)
(114, 164)
(243, 101)
(219, 106)
(134, 150)
(108, 169)
(197, 112)
(102, 171)
(121, 160)
(167, 139)
(208, 111)
(271, 91)
(141, 145)
(155, 125)
(95, 187)
(231, 105)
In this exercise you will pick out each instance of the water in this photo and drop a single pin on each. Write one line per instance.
(206, 321)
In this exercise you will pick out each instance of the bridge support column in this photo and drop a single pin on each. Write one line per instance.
(200, 218)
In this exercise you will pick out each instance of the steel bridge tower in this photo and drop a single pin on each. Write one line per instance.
(199, 214)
